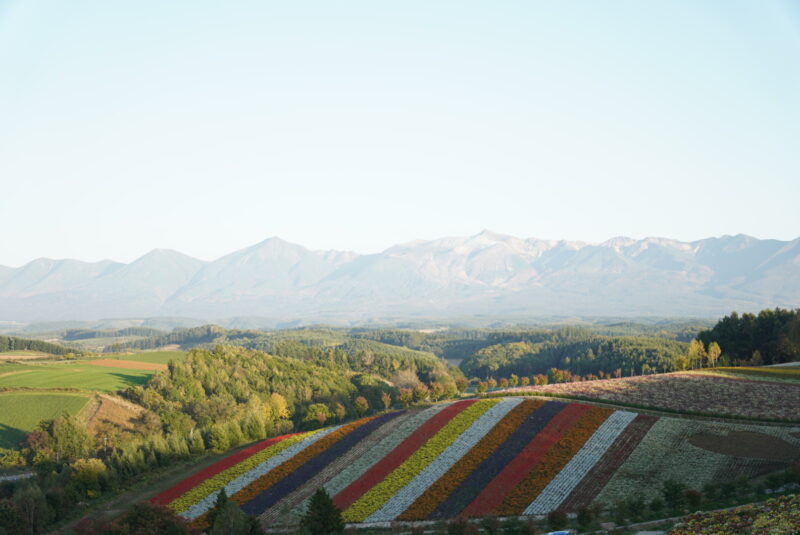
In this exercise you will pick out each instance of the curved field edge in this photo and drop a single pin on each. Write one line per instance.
(649, 409)
(564, 459)
(21, 411)
(694, 394)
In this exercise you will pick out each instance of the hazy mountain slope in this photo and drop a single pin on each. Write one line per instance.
(44, 276)
(488, 273)
(271, 273)
(72, 289)
(144, 285)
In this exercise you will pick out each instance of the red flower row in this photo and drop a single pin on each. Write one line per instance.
(437, 493)
(403, 451)
(190, 482)
(552, 461)
(514, 472)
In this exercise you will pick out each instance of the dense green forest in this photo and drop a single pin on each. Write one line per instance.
(577, 351)
(186, 338)
(241, 387)
(770, 337)
(322, 347)
(12, 343)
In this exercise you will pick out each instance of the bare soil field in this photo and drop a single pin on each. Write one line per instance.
(111, 419)
(749, 444)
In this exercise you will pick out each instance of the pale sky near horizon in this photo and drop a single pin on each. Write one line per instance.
(208, 126)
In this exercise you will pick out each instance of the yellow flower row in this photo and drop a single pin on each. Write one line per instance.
(373, 499)
(279, 472)
(441, 490)
(218, 481)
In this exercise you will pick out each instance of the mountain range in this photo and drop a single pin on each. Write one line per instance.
(484, 274)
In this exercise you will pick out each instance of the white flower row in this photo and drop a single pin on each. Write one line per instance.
(248, 477)
(568, 478)
(344, 478)
(304, 492)
(441, 464)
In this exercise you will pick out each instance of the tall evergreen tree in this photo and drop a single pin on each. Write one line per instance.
(322, 516)
(219, 505)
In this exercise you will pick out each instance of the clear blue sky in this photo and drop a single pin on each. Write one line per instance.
(209, 126)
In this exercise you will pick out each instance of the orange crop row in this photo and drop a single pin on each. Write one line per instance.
(444, 486)
(553, 462)
(281, 471)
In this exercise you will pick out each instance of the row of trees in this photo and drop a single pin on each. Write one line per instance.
(553, 376)
(12, 343)
(86, 334)
(698, 356)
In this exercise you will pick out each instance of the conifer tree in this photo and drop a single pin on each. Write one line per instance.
(322, 516)
(219, 505)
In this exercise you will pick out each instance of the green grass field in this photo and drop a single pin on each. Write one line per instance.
(21, 412)
(10, 367)
(25, 352)
(157, 357)
(70, 375)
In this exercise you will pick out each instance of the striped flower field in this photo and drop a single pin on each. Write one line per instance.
(471, 458)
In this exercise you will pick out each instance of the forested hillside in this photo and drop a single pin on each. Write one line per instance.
(232, 394)
(580, 354)
(771, 336)
(319, 346)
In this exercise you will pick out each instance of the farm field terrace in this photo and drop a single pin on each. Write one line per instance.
(21, 412)
(490, 457)
(769, 394)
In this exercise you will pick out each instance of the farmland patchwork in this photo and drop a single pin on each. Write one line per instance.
(511, 456)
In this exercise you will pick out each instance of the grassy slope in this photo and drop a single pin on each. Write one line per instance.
(71, 375)
(20, 412)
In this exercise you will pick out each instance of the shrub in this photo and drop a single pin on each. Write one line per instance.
(557, 520)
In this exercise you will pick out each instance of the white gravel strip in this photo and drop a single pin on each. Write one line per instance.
(567, 479)
(401, 501)
(344, 478)
(245, 479)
